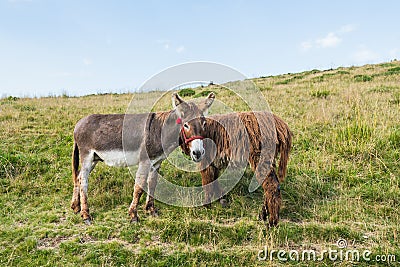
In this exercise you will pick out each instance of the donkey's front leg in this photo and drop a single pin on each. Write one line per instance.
(210, 186)
(217, 190)
(151, 186)
(140, 183)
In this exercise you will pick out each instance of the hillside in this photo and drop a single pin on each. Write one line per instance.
(342, 183)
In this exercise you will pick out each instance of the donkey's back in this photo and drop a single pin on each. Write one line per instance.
(103, 132)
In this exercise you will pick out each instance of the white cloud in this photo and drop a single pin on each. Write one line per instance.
(365, 55)
(180, 49)
(331, 40)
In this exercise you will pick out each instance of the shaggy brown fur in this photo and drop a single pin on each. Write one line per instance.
(255, 138)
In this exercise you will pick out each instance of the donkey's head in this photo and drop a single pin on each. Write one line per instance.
(192, 121)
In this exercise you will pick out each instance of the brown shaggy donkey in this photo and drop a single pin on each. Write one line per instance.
(246, 137)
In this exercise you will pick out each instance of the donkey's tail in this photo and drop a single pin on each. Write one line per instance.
(75, 162)
(284, 145)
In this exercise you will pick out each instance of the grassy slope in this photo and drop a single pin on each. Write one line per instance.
(343, 181)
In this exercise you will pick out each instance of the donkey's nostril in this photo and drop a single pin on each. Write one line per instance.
(196, 154)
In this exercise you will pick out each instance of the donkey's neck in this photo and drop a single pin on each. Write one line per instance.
(162, 134)
(170, 129)
(168, 121)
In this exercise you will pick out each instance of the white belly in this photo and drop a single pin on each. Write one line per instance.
(119, 158)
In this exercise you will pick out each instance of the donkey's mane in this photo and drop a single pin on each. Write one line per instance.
(156, 118)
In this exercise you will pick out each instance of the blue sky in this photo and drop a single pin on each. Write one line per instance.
(83, 47)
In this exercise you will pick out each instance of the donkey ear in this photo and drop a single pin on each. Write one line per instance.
(207, 103)
(176, 100)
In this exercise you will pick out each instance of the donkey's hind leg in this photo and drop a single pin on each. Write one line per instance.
(87, 166)
(140, 183)
(76, 202)
(272, 198)
(151, 185)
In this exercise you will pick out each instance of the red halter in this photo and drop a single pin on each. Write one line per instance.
(190, 139)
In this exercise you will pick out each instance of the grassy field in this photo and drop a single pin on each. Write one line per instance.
(342, 183)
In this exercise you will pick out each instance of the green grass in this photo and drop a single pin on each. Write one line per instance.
(391, 71)
(362, 78)
(321, 93)
(203, 93)
(187, 92)
(343, 180)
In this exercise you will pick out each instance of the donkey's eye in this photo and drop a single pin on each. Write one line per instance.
(186, 126)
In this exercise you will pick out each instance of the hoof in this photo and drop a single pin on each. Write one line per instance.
(262, 216)
(207, 206)
(223, 202)
(135, 220)
(76, 208)
(273, 223)
(149, 207)
(154, 213)
(87, 221)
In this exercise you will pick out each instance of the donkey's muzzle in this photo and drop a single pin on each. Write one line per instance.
(197, 155)
(197, 150)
